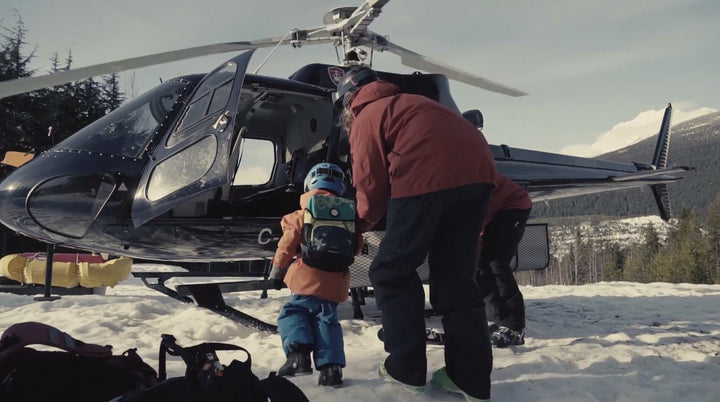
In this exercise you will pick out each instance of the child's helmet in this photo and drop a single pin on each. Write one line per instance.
(326, 176)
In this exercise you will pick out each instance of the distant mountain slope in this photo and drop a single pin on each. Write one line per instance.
(694, 143)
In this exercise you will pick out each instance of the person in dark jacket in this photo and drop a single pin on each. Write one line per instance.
(428, 171)
(504, 228)
(309, 321)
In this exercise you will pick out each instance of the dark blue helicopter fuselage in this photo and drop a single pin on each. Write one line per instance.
(84, 193)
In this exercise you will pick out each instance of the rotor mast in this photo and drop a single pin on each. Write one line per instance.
(346, 28)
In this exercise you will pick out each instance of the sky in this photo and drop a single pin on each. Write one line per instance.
(611, 341)
(598, 72)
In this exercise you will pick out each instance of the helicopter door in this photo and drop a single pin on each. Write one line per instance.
(192, 158)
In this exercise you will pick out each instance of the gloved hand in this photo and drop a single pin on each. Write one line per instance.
(277, 284)
(276, 277)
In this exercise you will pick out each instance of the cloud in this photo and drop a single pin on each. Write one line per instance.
(644, 125)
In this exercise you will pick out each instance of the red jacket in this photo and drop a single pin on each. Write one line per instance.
(507, 195)
(404, 145)
(301, 278)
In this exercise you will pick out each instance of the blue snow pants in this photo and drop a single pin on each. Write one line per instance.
(310, 320)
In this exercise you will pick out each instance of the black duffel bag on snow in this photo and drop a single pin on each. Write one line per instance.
(207, 380)
(85, 372)
(79, 371)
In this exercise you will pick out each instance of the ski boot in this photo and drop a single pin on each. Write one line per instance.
(442, 382)
(414, 389)
(298, 361)
(505, 337)
(331, 375)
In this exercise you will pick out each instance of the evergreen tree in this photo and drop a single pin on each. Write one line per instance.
(641, 255)
(686, 256)
(60, 119)
(38, 120)
(613, 262)
(713, 229)
(16, 122)
(111, 94)
(581, 259)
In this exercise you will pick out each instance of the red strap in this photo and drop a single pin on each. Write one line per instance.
(35, 333)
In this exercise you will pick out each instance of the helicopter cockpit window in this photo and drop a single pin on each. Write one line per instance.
(256, 164)
(182, 169)
(127, 130)
(81, 198)
(211, 96)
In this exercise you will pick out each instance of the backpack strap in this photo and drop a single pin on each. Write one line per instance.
(22, 334)
(280, 389)
(195, 357)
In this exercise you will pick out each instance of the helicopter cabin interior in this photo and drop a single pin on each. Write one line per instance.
(281, 131)
(283, 128)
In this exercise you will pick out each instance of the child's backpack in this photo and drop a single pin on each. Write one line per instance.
(328, 233)
(80, 371)
(207, 380)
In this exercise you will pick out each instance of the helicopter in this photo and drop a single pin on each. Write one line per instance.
(201, 167)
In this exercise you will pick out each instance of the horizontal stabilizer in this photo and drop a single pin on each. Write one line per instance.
(653, 174)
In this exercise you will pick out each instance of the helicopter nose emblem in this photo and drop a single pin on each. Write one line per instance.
(335, 73)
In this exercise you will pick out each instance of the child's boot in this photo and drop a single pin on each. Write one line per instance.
(298, 360)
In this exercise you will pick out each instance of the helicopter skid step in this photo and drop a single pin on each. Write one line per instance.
(209, 295)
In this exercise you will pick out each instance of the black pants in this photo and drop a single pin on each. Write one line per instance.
(504, 303)
(444, 226)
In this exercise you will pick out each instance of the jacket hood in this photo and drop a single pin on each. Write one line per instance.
(305, 197)
(370, 93)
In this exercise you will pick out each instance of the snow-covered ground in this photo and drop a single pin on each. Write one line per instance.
(604, 342)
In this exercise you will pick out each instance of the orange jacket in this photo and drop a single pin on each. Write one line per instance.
(404, 145)
(301, 278)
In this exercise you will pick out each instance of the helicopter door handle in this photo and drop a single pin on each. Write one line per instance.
(221, 122)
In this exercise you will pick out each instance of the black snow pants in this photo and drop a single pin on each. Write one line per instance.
(504, 303)
(444, 226)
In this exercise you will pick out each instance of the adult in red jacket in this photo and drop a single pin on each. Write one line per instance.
(429, 172)
(504, 228)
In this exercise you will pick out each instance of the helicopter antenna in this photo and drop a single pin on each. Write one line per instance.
(271, 52)
(372, 52)
(337, 55)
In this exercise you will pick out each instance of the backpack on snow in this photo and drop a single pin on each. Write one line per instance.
(328, 233)
(79, 371)
(207, 380)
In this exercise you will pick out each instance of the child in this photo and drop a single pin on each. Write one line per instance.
(308, 322)
(504, 228)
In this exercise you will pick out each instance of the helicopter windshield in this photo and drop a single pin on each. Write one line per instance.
(127, 130)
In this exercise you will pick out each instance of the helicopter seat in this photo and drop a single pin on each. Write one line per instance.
(433, 86)
(296, 169)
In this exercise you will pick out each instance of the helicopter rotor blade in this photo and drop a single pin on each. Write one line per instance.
(416, 60)
(23, 85)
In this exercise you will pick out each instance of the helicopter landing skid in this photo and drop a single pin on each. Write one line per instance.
(209, 295)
